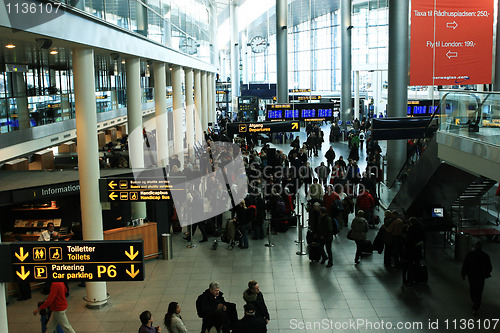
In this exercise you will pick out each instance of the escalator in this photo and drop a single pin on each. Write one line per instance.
(429, 183)
(448, 172)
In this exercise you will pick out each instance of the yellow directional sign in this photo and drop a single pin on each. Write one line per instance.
(295, 125)
(132, 273)
(76, 261)
(141, 189)
(23, 275)
(457, 121)
(112, 185)
(21, 256)
(131, 255)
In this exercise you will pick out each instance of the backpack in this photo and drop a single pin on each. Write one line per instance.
(199, 302)
(338, 206)
(252, 212)
(335, 226)
(280, 206)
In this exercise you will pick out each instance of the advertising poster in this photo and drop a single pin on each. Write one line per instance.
(451, 42)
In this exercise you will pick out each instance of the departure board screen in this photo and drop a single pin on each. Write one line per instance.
(294, 114)
(325, 113)
(275, 114)
(432, 109)
(419, 109)
(308, 113)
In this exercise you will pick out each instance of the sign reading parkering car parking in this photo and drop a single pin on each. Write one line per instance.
(77, 261)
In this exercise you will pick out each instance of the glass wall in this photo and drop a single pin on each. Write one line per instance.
(314, 57)
(45, 95)
(184, 25)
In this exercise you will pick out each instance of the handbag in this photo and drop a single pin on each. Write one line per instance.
(349, 235)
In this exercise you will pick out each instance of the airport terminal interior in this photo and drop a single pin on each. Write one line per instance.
(126, 122)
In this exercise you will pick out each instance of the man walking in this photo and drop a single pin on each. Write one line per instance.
(58, 304)
(477, 267)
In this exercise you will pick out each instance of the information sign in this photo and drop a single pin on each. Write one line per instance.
(77, 261)
(451, 42)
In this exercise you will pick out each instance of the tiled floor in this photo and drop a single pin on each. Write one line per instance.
(297, 292)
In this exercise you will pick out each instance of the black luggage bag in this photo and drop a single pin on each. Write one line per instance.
(367, 247)
(417, 274)
(314, 251)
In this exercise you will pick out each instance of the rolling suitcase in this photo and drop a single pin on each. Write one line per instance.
(314, 252)
(367, 247)
(417, 274)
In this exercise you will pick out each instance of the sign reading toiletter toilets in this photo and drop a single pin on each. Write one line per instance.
(451, 42)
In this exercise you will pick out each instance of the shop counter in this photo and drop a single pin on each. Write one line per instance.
(146, 232)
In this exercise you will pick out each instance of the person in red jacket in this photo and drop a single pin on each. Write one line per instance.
(366, 203)
(56, 301)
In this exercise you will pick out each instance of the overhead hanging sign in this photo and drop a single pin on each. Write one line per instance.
(137, 189)
(77, 261)
(263, 127)
(451, 42)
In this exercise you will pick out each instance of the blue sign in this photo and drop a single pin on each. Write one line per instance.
(419, 109)
(308, 113)
(275, 114)
(325, 113)
(292, 114)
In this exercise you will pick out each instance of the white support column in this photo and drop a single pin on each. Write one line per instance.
(161, 114)
(204, 101)
(209, 99)
(235, 55)
(134, 120)
(214, 98)
(198, 105)
(188, 90)
(23, 115)
(88, 160)
(356, 94)
(178, 113)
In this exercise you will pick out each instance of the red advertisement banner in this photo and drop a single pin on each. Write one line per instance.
(451, 42)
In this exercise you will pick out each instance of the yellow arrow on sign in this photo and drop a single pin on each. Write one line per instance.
(457, 121)
(131, 254)
(23, 275)
(22, 255)
(112, 184)
(132, 273)
(113, 196)
(295, 126)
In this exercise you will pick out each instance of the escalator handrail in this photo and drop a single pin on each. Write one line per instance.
(436, 111)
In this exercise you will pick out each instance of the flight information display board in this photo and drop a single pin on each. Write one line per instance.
(421, 108)
(304, 112)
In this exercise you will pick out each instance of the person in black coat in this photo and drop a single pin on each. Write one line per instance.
(250, 323)
(212, 307)
(477, 267)
(254, 297)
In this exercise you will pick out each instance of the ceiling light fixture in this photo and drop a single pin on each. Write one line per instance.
(53, 52)
(10, 46)
(123, 61)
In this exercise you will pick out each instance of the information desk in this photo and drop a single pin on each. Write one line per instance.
(146, 232)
